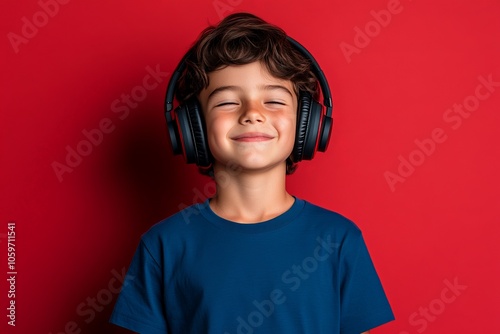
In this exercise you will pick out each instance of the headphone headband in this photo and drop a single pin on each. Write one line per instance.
(325, 89)
(318, 72)
(169, 98)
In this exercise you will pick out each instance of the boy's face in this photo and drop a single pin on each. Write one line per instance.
(250, 117)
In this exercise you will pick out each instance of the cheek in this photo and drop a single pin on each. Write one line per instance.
(217, 129)
(287, 128)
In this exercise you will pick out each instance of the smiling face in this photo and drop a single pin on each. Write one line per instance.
(250, 117)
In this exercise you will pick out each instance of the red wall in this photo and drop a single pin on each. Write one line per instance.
(413, 158)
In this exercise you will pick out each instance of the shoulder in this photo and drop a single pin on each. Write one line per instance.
(328, 218)
(330, 224)
(180, 225)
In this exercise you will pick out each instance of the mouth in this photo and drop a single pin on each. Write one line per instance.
(252, 137)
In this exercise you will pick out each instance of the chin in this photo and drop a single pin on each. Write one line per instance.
(262, 167)
(251, 162)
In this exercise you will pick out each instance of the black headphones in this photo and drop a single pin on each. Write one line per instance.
(187, 130)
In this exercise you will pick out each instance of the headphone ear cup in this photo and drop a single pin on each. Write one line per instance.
(325, 133)
(173, 132)
(308, 120)
(193, 133)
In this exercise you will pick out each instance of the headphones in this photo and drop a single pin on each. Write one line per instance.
(188, 134)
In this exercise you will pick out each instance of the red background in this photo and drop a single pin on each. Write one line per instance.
(75, 231)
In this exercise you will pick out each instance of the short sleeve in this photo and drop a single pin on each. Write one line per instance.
(140, 305)
(364, 304)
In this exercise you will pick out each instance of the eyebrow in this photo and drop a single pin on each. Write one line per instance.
(237, 88)
(221, 89)
(279, 87)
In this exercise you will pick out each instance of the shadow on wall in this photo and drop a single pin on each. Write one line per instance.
(144, 172)
(144, 182)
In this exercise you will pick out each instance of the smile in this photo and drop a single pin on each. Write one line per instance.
(252, 137)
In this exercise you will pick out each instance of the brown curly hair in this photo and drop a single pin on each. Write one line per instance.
(240, 39)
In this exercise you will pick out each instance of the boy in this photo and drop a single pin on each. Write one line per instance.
(254, 258)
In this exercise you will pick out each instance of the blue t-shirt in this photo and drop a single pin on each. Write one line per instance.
(306, 271)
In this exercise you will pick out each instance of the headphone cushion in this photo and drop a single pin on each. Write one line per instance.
(313, 129)
(308, 127)
(303, 113)
(201, 152)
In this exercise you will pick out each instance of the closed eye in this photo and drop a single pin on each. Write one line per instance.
(276, 102)
(225, 104)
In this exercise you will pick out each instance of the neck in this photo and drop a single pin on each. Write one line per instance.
(250, 197)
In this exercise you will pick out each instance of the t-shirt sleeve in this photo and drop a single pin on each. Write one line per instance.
(364, 304)
(140, 305)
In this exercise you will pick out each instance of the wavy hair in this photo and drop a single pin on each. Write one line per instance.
(240, 39)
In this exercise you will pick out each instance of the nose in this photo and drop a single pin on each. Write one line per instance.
(252, 113)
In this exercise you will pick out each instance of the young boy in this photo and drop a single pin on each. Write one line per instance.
(253, 258)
